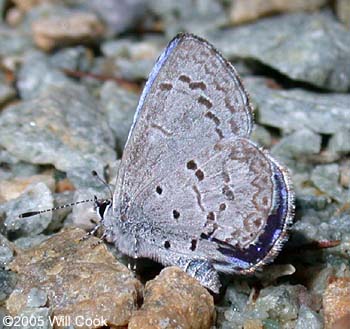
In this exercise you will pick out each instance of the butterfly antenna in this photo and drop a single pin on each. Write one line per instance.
(95, 174)
(38, 212)
(34, 213)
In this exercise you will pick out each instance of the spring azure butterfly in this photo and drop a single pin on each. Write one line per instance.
(192, 189)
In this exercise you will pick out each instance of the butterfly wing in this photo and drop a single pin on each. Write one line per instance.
(190, 181)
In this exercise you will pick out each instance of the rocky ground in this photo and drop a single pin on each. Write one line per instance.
(71, 72)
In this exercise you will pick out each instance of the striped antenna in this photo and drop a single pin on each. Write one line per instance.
(34, 213)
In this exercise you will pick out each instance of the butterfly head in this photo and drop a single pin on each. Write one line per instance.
(101, 207)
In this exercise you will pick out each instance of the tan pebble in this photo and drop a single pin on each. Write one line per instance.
(253, 324)
(336, 302)
(342, 9)
(13, 188)
(14, 16)
(342, 323)
(80, 280)
(26, 5)
(174, 300)
(64, 185)
(345, 174)
(248, 10)
(75, 28)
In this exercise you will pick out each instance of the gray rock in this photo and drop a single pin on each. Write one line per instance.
(272, 324)
(318, 225)
(234, 310)
(119, 105)
(39, 316)
(317, 202)
(133, 70)
(309, 48)
(321, 280)
(237, 297)
(62, 127)
(118, 15)
(82, 177)
(35, 197)
(308, 319)
(340, 142)
(326, 179)
(261, 136)
(84, 215)
(301, 142)
(276, 306)
(278, 303)
(27, 242)
(12, 167)
(40, 9)
(3, 313)
(6, 251)
(196, 17)
(13, 42)
(132, 59)
(296, 109)
(36, 298)
(59, 215)
(133, 49)
(37, 74)
(3, 4)
(293, 150)
(77, 58)
(7, 93)
(339, 229)
(7, 284)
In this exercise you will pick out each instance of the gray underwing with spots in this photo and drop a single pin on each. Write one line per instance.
(192, 189)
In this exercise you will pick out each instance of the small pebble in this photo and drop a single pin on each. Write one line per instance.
(13, 188)
(174, 300)
(336, 303)
(76, 28)
(243, 11)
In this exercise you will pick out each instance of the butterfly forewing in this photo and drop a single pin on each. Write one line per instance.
(192, 90)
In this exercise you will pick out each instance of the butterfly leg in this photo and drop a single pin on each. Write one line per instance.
(90, 233)
(203, 271)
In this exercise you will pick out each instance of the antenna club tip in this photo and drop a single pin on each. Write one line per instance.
(29, 214)
(94, 173)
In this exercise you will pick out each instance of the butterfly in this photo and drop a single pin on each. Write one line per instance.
(192, 189)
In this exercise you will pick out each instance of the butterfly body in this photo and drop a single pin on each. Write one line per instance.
(192, 189)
